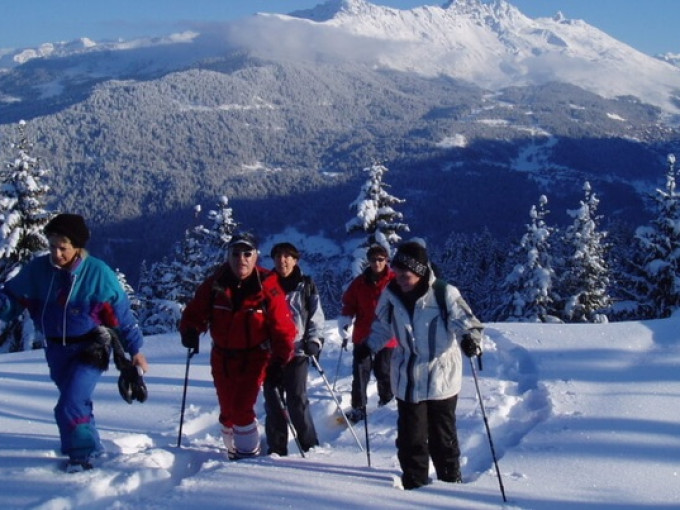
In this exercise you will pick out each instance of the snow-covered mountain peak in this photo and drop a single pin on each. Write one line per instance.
(338, 9)
(489, 43)
(495, 45)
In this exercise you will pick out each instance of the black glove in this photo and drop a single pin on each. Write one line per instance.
(312, 349)
(344, 342)
(131, 384)
(190, 339)
(275, 374)
(470, 346)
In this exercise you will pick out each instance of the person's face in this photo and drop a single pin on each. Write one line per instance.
(284, 264)
(406, 279)
(242, 260)
(62, 252)
(378, 263)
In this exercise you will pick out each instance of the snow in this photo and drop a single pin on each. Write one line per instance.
(494, 45)
(491, 44)
(581, 416)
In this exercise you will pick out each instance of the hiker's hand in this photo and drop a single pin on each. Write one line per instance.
(139, 360)
(190, 339)
(470, 345)
(344, 325)
(312, 348)
(275, 374)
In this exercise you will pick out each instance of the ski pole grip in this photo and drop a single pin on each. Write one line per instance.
(479, 362)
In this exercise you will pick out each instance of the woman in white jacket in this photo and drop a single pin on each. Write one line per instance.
(427, 364)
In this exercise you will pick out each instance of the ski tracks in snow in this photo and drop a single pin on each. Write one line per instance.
(514, 401)
(154, 471)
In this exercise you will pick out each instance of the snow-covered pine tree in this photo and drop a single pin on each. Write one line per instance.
(194, 257)
(22, 219)
(584, 280)
(159, 309)
(220, 233)
(528, 288)
(22, 213)
(202, 250)
(376, 216)
(135, 302)
(656, 268)
(475, 263)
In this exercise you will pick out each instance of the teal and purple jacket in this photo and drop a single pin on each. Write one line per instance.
(68, 303)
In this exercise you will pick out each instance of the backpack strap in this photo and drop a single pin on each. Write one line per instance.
(308, 289)
(439, 287)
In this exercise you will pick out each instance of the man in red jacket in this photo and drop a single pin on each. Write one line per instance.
(252, 332)
(358, 303)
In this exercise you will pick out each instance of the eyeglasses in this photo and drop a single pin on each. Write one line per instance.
(378, 259)
(238, 254)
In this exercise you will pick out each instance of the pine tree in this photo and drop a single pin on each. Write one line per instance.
(376, 216)
(160, 311)
(656, 274)
(528, 288)
(474, 263)
(135, 302)
(176, 279)
(22, 220)
(220, 232)
(584, 282)
(22, 213)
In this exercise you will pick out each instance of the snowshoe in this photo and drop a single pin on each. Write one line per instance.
(356, 415)
(78, 465)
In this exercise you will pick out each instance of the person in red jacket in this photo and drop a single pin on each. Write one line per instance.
(252, 330)
(358, 303)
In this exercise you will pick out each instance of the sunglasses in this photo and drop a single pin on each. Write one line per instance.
(378, 259)
(238, 254)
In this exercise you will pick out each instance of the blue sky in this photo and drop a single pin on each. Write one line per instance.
(651, 26)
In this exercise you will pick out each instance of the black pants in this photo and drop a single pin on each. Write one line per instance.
(427, 429)
(295, 395)
(361, 373)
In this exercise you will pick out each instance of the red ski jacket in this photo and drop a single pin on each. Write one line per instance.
(242, 316)
(359, 301)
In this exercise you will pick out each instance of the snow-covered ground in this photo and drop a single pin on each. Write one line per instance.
(581, 416)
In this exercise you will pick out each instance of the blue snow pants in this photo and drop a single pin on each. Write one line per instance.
(76, 382)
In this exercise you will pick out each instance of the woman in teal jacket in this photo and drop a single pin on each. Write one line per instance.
(70, 295)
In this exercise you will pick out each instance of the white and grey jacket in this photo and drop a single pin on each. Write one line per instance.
(427, 362)
(309, 317)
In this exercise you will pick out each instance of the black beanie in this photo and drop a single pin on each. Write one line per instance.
(71, 226)
(412, 256)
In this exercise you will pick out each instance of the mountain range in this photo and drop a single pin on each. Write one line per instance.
(475, 108)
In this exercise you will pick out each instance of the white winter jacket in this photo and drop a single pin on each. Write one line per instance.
(427, 362)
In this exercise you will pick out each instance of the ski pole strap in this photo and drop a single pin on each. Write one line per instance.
(119, 358)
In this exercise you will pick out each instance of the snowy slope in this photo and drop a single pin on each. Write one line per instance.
(582, 416)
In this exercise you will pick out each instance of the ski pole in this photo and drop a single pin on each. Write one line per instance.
(286, 416)
(337, 367)
(190, 354)
(368, 445)
(488, 430)
(365, 411)
(337, 403)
